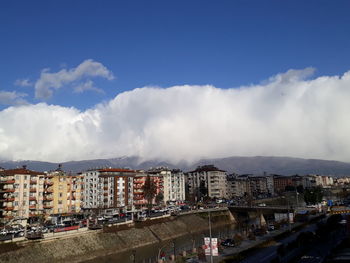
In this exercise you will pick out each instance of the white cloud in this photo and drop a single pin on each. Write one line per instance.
(12, 98)
(88, 85)
(48, 81)
(286, 116)
(23, 83)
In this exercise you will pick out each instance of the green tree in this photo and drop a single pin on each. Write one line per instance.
(313, 195)
(149, 192)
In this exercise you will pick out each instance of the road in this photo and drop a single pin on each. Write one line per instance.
(265, 255)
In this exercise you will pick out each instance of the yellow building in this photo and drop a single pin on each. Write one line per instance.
(64, 193)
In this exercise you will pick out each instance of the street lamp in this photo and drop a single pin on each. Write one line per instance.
(211, 248)
(133, 255)
(173, 243)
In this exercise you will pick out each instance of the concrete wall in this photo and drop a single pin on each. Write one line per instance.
(94, 244)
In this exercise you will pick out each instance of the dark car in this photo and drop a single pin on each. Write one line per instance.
(259, 232)
(228, 243)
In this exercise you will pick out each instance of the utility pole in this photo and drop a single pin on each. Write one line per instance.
(289, 225)
(296, 193)
(211, 249)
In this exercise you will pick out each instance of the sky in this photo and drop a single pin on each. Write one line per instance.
(174, 80)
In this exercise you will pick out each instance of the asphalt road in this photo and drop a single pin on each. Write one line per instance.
(265, 255)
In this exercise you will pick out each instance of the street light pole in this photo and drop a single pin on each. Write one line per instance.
(211, 249)
(289, 225)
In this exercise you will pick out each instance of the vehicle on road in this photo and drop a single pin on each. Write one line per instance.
(228, 243)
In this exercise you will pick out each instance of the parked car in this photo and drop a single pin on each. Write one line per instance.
(271, 227)
(259, 232)
(228, 243)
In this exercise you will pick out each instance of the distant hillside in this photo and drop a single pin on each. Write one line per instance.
(240, 165)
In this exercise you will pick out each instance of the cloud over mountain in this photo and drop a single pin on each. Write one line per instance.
(288, 115)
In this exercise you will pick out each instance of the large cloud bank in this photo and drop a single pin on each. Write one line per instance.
(288, 115)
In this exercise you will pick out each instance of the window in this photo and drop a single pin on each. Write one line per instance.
(25, 186)
(60, 202)
(60, 194)
(16, 203)
(60, 187)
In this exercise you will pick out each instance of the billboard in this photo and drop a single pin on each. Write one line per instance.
(213, 244)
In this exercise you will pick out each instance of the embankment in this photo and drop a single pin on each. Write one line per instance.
(94, 244)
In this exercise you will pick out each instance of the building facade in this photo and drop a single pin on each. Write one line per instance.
(64, 193)
(209, 177)
(108, 188)
(21, 193)
(173, 183)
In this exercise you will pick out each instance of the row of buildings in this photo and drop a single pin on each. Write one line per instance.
(25, 193)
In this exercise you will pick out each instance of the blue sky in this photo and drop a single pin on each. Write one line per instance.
(165, 43)
(174, 80)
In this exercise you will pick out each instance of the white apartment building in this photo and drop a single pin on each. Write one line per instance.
(211, 177)
(173, 183)
(108, 188)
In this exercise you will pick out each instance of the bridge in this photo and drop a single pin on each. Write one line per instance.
(262, 209)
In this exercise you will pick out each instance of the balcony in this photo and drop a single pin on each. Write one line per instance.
(32, 215)
(105, 188)
(32, 198)
(11, 181)
(48, 198)
(33, 181)
(48, 206)
(11, 190)
(9, 208)
(10, 199)
(49, 190)
(139, 181)
(32, 190)
(105, 194)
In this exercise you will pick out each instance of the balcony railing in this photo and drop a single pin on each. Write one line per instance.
(32, 198)
(11, 181)
(10, 190)
(49, 190)
(33, 181)
(9, 208)
(32, 190)
(48, 198)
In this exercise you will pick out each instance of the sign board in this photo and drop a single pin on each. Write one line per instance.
(213, 244)
(291, 218)
(207, 246)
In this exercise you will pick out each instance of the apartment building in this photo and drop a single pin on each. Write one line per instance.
(173, 183)
(237, 186)
(21, 193)
(140, 178)
(63, 192)
(108, 188)
(210, 177)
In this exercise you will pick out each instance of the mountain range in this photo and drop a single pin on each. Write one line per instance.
(242, 165)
